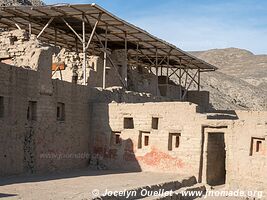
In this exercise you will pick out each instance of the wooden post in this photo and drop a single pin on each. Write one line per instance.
(198, 86)
(72, 29)
(157, 73)
(137, 54)
(180, 78)
(105, 59)
(93, 31)
(126, 61)
(30, 29)
(187, 88)
(47, 24)
(167, 70)
(84, 51)
(110, 60)
(18, 27)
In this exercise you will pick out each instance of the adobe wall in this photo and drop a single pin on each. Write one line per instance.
(93, 128)
(18, 49)
(199, 97)
(246, 167)
(176, 118)
(24, 140)
(48, 143)
(138, 80)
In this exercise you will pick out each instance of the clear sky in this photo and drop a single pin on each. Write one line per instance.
(195, 24)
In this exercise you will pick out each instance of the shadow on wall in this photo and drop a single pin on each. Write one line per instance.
(107, 146)
(111, 149)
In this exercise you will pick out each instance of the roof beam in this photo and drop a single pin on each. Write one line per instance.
(68, 25)
(47, 24)
(93, 31)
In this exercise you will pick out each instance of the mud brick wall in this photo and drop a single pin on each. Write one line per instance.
(46, 143)
(15, 90)
(247, 165)
(174, 119)
(27, 145)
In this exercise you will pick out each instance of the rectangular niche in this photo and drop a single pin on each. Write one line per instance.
(155, 123)
(174, 141)
(144, 139)
(60, 111)
(115, 138)
(128, 123)
(32, 111)
(257, 146)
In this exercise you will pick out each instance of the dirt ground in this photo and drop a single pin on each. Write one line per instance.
(78, 184)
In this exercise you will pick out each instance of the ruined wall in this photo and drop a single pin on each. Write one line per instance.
(32, 135)
(48, 125)
(138, 80)
(200, 98)
(15, 90)
(44, 123)
(124, 136)
(247, 147)
(16, 48)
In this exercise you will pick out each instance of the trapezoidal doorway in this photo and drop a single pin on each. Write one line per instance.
(216, 159)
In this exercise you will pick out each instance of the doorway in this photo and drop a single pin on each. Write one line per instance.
(216, 154)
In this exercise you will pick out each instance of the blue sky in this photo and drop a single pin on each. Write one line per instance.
(195, 24)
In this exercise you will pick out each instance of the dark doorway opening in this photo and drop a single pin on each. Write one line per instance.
(216, 159)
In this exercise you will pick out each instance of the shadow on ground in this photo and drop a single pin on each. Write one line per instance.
(57, 175)
(2, 195)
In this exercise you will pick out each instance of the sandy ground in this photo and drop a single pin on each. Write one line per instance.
(78, 184)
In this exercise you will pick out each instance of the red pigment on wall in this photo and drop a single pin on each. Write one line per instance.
(160, 159)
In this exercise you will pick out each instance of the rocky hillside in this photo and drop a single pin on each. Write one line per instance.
(21, 2)
(240, 82)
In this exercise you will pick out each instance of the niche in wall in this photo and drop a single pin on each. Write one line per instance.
(115, 139)
(32, 111)
(128, 123)
(144, 139)
(174, 141)
(60, 111)
(257, 146)
(155, 123)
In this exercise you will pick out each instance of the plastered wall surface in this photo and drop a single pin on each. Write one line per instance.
(246, 167)
(173, 118)
(243, 170)
(48, 143)
(24, 141)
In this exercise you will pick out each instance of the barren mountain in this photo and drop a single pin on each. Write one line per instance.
(21, 2)
(241, 80)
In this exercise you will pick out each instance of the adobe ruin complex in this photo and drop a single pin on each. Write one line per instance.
(75, 79)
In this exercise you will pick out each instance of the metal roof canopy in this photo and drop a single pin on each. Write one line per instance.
(138, 40)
